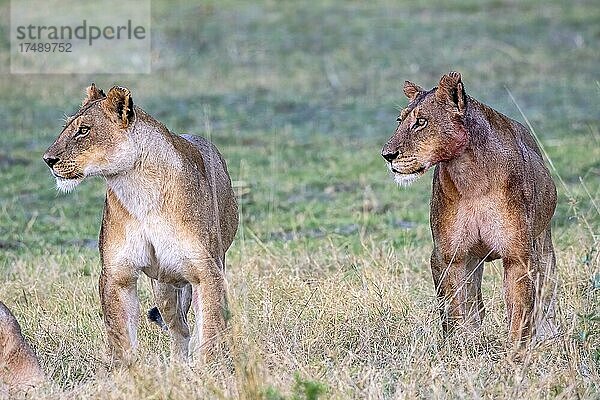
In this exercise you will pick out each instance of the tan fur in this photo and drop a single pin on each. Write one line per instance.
(19, 367)
(170, 212)
(493, 198)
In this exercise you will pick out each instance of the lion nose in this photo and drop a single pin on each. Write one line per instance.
(51, 160)
(390, 156)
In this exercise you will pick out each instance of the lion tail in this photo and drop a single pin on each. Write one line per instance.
(154, 316)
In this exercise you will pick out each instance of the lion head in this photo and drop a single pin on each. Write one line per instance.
(430, 129)
(95, 140)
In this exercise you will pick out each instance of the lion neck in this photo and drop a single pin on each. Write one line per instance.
(477, 169)
(145, 186)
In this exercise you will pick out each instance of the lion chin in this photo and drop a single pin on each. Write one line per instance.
(67, 185)
(405, 179)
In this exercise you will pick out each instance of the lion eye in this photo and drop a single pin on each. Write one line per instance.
(82, 131)
(420, 122)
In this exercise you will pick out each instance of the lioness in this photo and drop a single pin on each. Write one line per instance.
(170, 212)
(19, 367)
(492, 198)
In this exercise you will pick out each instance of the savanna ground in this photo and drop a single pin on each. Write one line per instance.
(328, 277)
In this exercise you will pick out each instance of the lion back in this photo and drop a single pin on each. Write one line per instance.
(219, 183)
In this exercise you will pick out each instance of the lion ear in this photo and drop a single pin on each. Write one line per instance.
(451, 91)
(412, 90)
(92, 93)
(119, 106)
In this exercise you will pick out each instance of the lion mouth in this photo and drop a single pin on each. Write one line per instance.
(419, 171)
(407, 176)
(63, 177)
(66, 177)
(57, 175)
(410, 169)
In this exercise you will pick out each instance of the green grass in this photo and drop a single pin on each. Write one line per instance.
(328, 278)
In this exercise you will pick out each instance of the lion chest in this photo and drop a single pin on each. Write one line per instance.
(479, 226)
(159, 248)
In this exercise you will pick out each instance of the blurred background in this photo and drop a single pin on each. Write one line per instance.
(300, 97)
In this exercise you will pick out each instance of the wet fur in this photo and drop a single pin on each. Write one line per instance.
(492, 198)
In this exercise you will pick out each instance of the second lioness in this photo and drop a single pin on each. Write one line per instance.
(492, 198)
(170, 212)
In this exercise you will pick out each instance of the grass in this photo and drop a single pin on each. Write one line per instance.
(328, 278)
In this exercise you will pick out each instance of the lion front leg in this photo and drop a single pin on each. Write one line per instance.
(458, 289)
(519, 293)
(475, 308)
(210, 306)
(120, 306)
